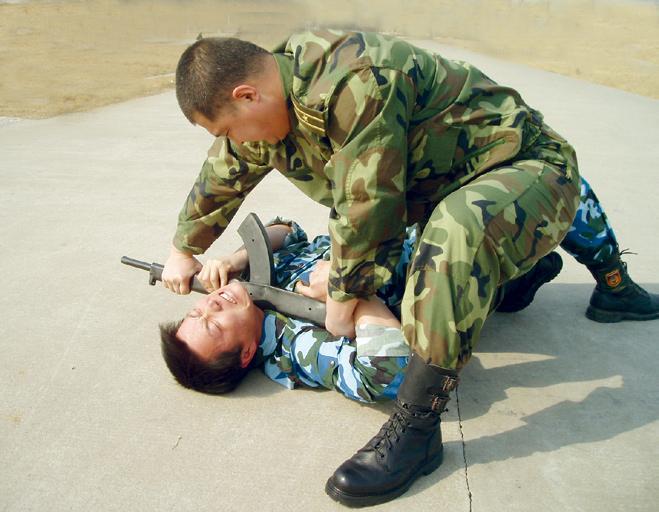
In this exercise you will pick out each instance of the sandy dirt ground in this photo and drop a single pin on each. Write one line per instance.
(67, 56)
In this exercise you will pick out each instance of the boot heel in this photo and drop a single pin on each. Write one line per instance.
(602, 316)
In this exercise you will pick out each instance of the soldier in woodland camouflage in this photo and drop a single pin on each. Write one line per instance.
(388, 135)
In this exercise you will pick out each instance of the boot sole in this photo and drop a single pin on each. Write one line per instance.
(545, 278)
(356, 501)
(604, 316)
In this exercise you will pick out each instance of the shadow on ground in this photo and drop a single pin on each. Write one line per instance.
(547, 378)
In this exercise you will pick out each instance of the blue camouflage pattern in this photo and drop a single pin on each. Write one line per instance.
(295, 352)
(591, 239)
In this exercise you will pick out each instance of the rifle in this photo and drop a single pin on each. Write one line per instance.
(261, 275)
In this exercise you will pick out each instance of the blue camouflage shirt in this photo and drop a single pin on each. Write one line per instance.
(295, 352)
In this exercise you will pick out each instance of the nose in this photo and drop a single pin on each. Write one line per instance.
(214, 303)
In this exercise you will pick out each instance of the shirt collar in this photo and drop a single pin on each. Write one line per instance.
(285, 63)
(269, 337)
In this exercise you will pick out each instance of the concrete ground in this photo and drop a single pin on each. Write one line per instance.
(555, 412)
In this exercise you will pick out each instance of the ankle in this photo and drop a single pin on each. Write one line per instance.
(419, 411)
(611, 276)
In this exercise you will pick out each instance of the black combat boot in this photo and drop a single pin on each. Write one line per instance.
(408, 445)
(519, 293)
(616, 297)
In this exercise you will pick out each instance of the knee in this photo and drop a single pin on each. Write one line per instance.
(446, 245)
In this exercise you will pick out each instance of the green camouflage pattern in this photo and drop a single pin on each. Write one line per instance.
(490, 231)
(382, 131)
(222, 185)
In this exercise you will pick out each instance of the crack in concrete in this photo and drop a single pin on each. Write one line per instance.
(464, 447)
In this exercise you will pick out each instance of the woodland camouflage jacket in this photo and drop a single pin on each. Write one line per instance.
(381, 132)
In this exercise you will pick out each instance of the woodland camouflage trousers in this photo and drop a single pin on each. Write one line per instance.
(489, 231)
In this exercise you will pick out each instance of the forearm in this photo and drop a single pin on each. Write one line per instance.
(175, 251)
(373, 311)
(276, 235)
(343, 317)
(339, 317)
(202, 220)
(224, 181)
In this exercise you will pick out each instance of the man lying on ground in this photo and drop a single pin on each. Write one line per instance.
(226, 334)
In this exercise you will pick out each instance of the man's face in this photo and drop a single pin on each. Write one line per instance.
(225, 320)
(249, 117)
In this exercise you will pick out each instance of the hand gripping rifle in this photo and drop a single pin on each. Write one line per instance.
(261, 276)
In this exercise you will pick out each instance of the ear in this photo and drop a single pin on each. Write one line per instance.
(247, 354)
(245, 92)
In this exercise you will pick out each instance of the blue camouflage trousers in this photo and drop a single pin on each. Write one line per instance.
(591, 239)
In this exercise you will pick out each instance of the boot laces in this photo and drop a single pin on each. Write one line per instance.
(632, 286)
(390, 433)
(627, 251)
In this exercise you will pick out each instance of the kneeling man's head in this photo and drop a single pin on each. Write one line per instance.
(211, 349)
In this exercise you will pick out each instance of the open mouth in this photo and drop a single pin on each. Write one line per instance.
(228, 297)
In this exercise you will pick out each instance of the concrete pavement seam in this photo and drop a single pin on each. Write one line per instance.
(464, 447)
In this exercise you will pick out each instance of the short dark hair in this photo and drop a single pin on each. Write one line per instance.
(216, 377)
(210, 68)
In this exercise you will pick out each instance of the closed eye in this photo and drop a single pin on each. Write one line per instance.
(196, 313)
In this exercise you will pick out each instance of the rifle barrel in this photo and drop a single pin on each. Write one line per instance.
(135, 263)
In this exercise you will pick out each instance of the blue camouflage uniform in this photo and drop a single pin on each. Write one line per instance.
(294, 351)
(591, 239)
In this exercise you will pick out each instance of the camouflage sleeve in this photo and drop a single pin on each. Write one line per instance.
(224, 181)
(367, 127)
(392, 291)
(334, 362)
